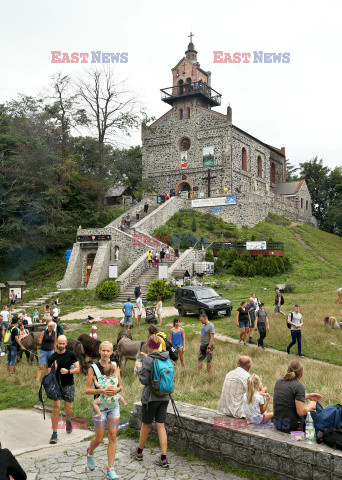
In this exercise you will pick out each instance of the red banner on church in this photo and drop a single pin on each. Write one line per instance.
(184, 159)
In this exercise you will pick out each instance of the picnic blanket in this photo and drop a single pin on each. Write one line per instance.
(110, 320)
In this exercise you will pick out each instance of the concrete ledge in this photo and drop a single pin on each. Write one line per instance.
(264, 451)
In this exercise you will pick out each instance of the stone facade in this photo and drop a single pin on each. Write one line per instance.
(266, 452)
(243, 165)
(186, 261)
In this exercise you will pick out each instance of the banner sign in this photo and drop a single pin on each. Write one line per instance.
(208, 156)
(255, 245)
(213, 202)
(184, 159)
(215, 209)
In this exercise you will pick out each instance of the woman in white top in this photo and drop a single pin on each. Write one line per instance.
(159, 309)
(140, 306)
(255, 403)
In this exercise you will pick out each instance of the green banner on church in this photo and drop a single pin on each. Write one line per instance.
(208, 156)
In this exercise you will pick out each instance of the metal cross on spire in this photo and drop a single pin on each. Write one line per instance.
(191, 35)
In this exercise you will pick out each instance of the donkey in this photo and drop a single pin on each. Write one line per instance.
(77, 347)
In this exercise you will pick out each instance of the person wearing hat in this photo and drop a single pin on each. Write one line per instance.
(93, 331)
(277, 302)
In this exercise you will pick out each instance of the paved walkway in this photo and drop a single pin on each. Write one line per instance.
(71, 465)
(112, 313)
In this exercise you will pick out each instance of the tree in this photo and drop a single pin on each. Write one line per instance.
(111, 111)
(291, 172)
(316, 177)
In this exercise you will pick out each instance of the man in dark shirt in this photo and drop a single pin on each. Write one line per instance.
(162, 256)
(250, 308)
(277, 302)
(12, 349)
(66, 367)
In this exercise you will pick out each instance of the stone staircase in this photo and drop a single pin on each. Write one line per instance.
(134, 220)
(37, 301)
(145, 278)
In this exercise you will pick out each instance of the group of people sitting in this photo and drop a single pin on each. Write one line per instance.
(244, 396)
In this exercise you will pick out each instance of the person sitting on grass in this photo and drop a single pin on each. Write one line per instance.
(339, 295)
(110, 378)
(255, 403)
(332, 322)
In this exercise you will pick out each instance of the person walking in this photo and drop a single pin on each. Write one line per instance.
(162, 256)
(110, 418)
(295, 319)
(167, 252)
(159, 310)
(261, 324)
(154, 407)
(177, 338)
(67, 366)
(251, 308)
(128, 220)
(149, 259)
(207, 343)
(48, 345)
(128, 311)
(12, 349)
(146, 207)
(243, 321)
(137, 214)
(140, 306)
(156, 259)
(137, 291)
(277, 302)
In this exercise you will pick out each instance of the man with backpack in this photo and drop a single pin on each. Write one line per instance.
(67, 366)
(295, 319)
(156, 374)
(278, 301)
(11, 340)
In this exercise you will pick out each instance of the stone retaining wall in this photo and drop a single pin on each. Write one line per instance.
(266, 452)
(161, 215)
(186, 261)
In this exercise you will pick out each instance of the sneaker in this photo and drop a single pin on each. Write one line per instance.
(111, 474)
(53, 438)
(163, 463)
(263, 347)
(68, 426)
(251, 341)
(288, 350)
(258, 343)
(90, 461)
(302, 356)
(134, 453)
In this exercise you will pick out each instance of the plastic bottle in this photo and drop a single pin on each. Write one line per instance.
(309, 429)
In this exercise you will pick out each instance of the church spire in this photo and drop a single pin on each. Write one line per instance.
(191, 53)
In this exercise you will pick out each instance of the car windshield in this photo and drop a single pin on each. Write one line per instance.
(206, 293)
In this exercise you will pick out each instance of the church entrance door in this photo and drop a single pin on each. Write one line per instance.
(90, 263)
(184, 186)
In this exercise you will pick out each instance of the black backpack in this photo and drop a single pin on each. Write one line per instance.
(169, 348)
(282, 300)
(287, 323)
(333, 437)
(51, 384)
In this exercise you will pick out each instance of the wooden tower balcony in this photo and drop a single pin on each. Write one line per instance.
(196, 89)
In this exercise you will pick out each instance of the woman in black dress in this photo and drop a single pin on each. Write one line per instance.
(243, 321)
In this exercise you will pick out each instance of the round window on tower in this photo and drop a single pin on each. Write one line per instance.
(184, 144)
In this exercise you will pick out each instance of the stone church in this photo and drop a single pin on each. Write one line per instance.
(198, 152)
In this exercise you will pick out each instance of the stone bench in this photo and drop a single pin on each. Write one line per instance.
(264, 451)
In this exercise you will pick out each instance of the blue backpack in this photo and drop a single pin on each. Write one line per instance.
(163, 382)
(330, 417)
(51, 385)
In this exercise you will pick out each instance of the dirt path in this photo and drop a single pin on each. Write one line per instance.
(224, 338)
(303, 242)
(108, 313)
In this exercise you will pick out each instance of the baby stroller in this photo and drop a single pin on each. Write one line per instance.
(150, 314)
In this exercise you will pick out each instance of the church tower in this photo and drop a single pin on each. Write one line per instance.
(190, 82)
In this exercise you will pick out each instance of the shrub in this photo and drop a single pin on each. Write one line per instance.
(252, 271)
(290, 287)
(232, 256)
(179, 220)
(253, 238)
(194, 225)
(246, 257)
(239, 268)
(287, 263)
(270, 267)
(209, 256)
(280, 264)
(211, 225)
(159, 288)
(107, 290)
(259, 264)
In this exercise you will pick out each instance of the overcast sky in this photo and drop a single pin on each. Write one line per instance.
(296, 105)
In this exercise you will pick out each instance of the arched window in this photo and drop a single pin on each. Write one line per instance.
(244, 159)
(273, 173)
(259, 167)
(181, 87)
(184, 144)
